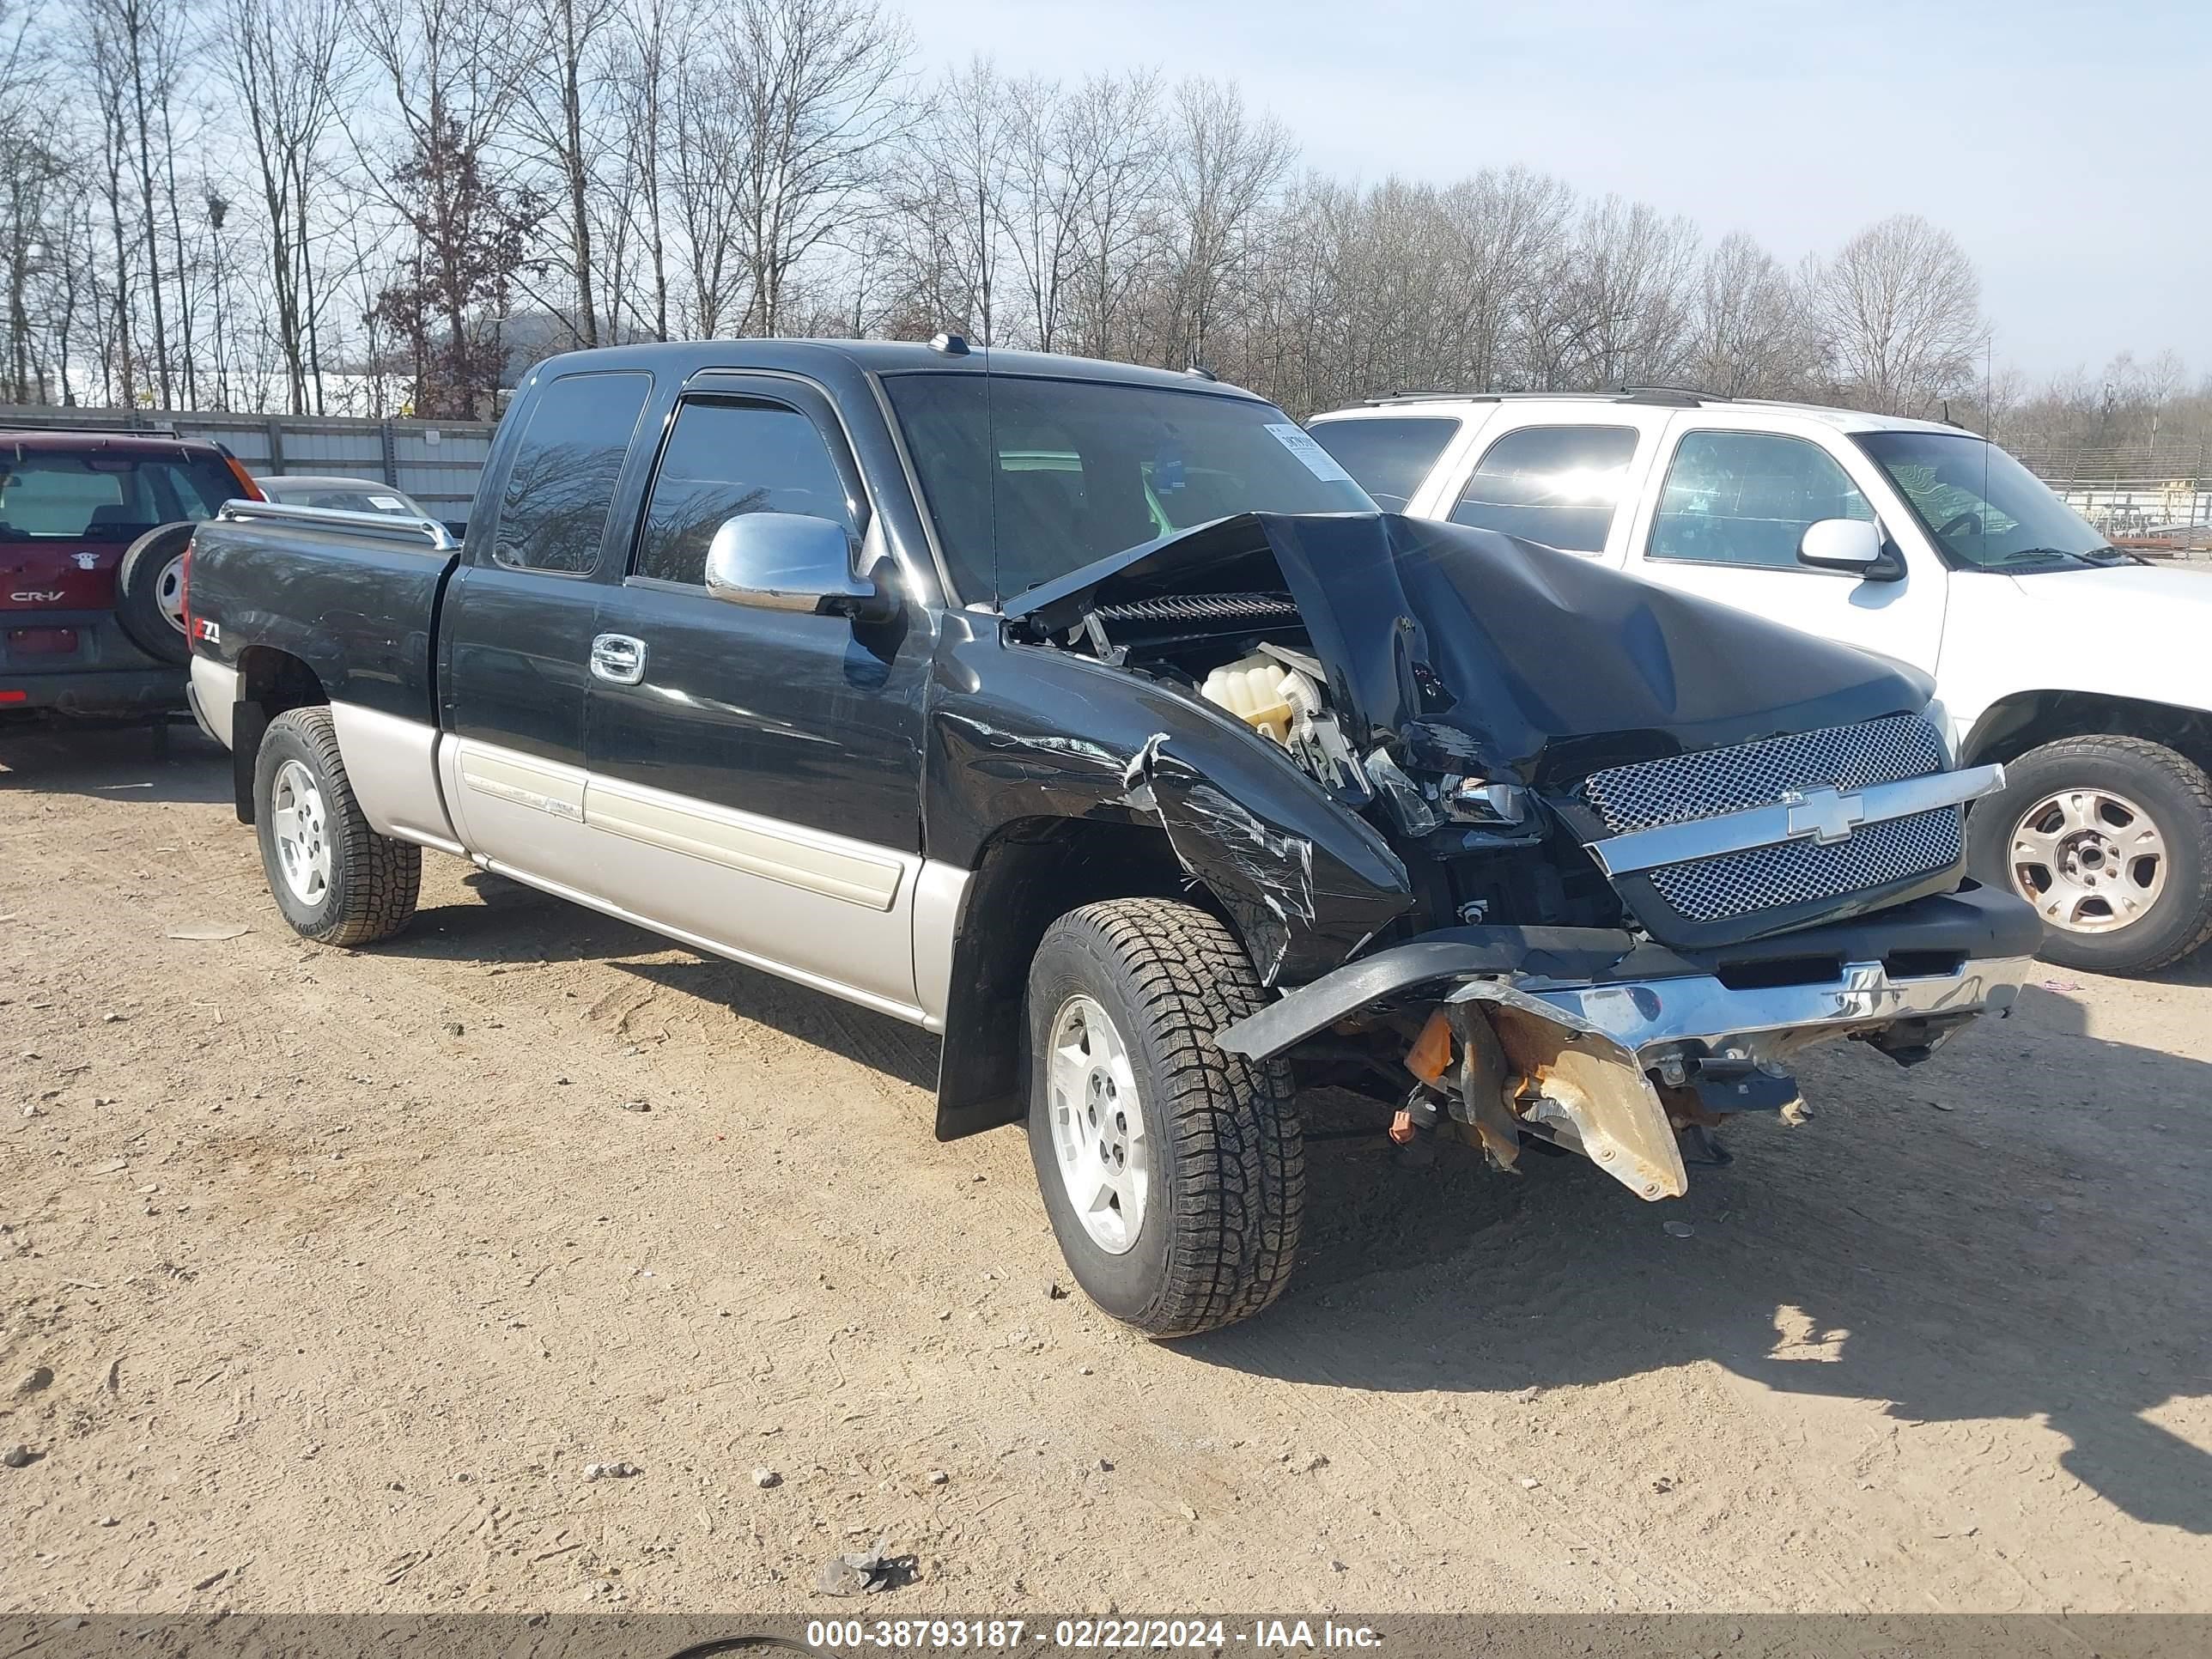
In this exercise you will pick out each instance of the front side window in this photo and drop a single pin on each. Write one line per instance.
(1746, 497)
(1026, 479)
(1560, 485)
(1389, 455)
(727, 457)
(1984, 508)
(562, 485)
(104, 496)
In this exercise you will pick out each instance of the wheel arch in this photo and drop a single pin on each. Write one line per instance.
(1029, 873)
(272, 681)
(2023, 721)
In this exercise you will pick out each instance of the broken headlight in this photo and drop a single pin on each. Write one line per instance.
(1478, 801)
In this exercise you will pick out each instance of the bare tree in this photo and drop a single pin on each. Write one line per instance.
(1751, 335)
(1900, 306)
(455, 69)
(641, 75)
(137, 48)
(819, 88)
(289, 67)
(710, 152)
(1113, 126)
(1224, 164)
(951, 191)
(557, 110)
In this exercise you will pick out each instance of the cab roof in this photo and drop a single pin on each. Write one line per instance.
(1465, 403)
(686, 358)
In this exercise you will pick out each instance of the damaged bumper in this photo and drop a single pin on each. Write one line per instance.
(1605, 1040)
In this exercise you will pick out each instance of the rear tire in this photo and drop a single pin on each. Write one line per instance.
(149, 593)
(2110, 839)
(337, 880)
(1188, 1160)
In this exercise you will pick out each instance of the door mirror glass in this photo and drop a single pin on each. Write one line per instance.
(791, 561)
(1848, 544)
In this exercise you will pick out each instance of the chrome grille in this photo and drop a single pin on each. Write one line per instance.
(1702, 786)
(1802, 871)
(1684, 788)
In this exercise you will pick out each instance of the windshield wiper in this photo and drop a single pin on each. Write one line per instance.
(2042, 556)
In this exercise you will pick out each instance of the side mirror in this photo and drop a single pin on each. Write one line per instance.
(1852, 546)
(793, 561)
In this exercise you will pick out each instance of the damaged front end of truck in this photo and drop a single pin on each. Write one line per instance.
(1528, 847)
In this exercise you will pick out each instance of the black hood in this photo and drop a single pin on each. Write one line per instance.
(1465, 650)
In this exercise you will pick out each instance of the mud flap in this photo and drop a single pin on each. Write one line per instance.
(1585, 1089)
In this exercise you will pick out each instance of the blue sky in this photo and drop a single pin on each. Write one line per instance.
(2066, 145)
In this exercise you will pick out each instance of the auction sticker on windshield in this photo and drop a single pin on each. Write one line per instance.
(1319, 461)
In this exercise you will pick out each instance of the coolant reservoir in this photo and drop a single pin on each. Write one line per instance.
(1256, 690)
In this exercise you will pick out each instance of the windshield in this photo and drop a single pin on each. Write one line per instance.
(1983, 508)
(1028, 479)
(106, 497)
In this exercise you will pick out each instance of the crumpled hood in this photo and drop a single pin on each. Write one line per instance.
(1466, 650)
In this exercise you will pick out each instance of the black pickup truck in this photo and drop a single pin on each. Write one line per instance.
(1092, 717)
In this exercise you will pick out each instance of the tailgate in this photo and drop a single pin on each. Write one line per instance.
(58, 575)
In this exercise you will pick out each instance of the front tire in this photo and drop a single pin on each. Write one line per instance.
(2110, 839)
(1174, 1173)
(336, 879)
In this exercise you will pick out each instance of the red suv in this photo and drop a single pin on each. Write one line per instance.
(93, 530)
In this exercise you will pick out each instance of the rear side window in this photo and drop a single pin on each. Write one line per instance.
(1746, 497)
(1389, 457)
(562, 485)
(1560, 485)
(106, 496)
(728, 457)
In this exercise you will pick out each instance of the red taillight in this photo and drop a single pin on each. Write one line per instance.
(247, 489)
(14, 697)
(42, 641)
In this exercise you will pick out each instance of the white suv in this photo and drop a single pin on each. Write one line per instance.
(2088, 673)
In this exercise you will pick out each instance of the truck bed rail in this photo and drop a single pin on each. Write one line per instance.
(435, 537)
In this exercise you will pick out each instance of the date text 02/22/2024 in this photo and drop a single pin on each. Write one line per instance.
(1107, 1634)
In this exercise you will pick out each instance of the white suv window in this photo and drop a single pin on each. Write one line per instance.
(1388, 456)
(1560, 485)
(1746, 497)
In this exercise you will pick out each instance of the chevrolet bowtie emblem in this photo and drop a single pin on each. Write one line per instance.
(1826, 815)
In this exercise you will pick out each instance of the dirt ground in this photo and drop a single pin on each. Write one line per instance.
(345, 1266)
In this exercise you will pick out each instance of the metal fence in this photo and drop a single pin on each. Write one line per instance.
(436, 462)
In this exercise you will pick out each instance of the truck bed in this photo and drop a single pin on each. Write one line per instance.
(354, 598)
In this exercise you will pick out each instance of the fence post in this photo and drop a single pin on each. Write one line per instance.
(275, 444)
(391, 454)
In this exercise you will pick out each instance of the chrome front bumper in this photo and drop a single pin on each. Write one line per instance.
(1650, 1016)
(1588, 1053)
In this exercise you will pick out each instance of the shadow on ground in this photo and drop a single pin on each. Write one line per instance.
(125, 762)
(2019, 1236)
(515, 923)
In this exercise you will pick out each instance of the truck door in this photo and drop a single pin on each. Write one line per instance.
(759, 770)
(1733, 493)
(515, 636)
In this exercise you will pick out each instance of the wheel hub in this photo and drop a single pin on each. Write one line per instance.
(169, 592)
(301, 827)
(2091, 860)
(1097, 1128)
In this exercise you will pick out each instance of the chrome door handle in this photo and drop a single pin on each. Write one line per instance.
(618, 658)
